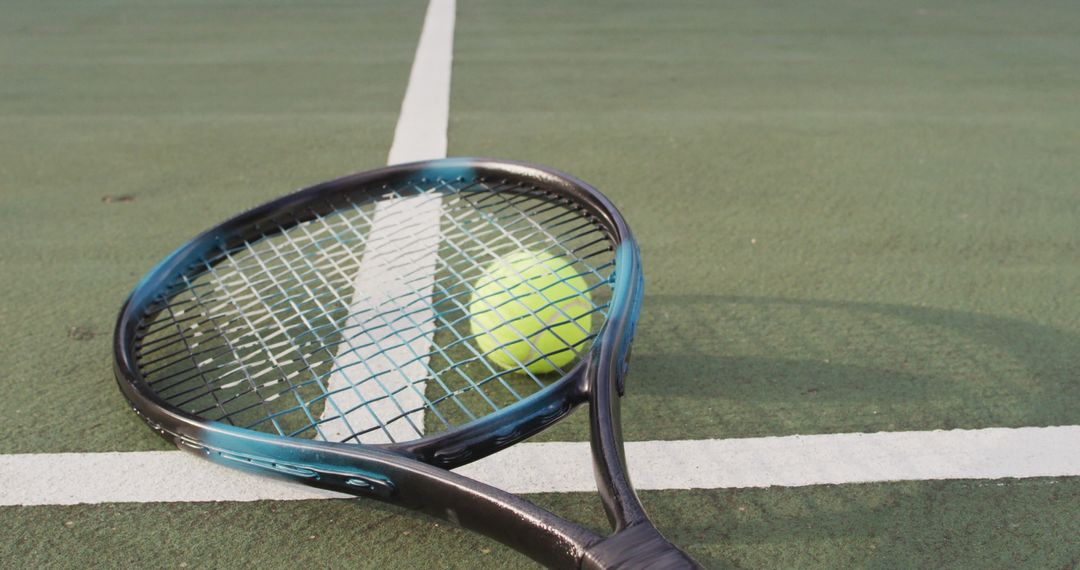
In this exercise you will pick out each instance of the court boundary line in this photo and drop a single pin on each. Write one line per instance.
(561, 467)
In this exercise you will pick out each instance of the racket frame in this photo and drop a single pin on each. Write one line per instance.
(415, 474)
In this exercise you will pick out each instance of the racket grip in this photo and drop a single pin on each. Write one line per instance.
(638, 547)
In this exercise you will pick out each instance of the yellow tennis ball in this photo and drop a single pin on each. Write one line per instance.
(532, 309)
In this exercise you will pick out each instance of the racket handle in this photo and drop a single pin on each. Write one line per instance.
(637, 547)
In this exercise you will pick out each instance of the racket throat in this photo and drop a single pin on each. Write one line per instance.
(637, 546)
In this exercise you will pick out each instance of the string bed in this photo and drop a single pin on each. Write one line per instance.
(353, 325)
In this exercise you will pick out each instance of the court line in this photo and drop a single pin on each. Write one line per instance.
(372, 388)
(790, 461)
(425, 110)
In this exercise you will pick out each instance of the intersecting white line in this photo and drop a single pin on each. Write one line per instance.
(790, 461)
(373, 388)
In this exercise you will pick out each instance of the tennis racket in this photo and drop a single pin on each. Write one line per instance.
(329, 338)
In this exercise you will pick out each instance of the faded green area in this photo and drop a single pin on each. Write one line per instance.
(852, 220)
(852, 217)
(128, 127)
(955, 524)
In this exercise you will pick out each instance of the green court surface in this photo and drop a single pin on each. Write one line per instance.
(956, 524)
(853, 218)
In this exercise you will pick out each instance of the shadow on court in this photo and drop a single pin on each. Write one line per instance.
(734, 366)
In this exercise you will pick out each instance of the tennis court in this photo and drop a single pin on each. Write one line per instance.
(859, 227)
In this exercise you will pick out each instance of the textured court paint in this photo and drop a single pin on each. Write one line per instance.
(852, 218)
(373, 388)
(566, 467)
(939, 524)
(869, 301)
(196, 113)
(882, 191)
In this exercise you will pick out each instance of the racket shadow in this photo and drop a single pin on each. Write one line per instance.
(734, 366)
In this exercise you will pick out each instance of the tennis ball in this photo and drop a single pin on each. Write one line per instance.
(527, 305)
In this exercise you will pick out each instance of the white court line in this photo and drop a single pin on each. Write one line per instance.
(387, 307)
(791, 461)
(425, 111)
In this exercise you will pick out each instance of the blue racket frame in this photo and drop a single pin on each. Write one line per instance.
(413, 474)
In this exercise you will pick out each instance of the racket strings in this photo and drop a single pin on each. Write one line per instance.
(511, 297)
(252, 299)
(292, 331)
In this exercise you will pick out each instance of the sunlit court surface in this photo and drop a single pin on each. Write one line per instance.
(859, 229)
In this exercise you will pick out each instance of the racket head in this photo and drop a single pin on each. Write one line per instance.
(458, 442)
